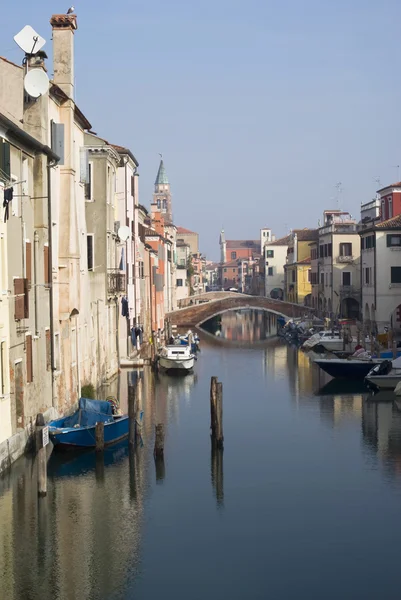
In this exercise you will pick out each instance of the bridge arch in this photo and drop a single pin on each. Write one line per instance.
(207, 306)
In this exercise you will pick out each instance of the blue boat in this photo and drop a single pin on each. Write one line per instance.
(347, 368)
(78, 429)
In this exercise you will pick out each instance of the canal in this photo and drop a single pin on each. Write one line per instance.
(304, 502)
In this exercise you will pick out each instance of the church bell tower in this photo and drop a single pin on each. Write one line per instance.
(162, 195)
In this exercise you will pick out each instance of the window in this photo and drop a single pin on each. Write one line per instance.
(269, 253)
(179, 282)
(309, 275)
(293, 276)
(383, 212)
(270, 271)
(89, 242)
(225, 270)
(158, 203)
(395, 274)
(321, 251)
(141, 270)
(330, 249)
(164, 204)
(5, 163)
(233, 255)
(57, 360)
(321, 278)
(29, 365)
(393, 240)
(369, 242)
(346, 278)
(390, 207)
(362, 243)
(368, 278)
(233, 270)
(346, 249)
(326, 251)
(21, 294)
(89, 183)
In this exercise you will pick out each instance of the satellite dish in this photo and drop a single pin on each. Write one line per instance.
(36, 83)
(124, 233)
(29, 41)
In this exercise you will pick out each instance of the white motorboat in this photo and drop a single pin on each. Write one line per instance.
(177, 358)
(329, 340)
(385, 376)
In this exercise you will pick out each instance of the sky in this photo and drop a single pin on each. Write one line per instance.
(260, 108)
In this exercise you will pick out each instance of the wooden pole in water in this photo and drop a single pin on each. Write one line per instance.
(159, 441)
(99, 435)
(41, 456)
(131, 414)
(219, 415)
(213, 396)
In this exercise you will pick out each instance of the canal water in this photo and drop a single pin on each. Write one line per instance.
(304, 502)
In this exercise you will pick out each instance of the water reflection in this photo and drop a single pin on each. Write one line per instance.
(244, 325)
(309, 464)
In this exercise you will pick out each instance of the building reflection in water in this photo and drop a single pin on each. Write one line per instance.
(243, 325)
(71, 534)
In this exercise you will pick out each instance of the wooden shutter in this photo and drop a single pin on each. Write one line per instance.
(29, 369)
(46, 264)
(26, 299)
(5, 161)
(19, 299)
(133, 186)
(28, 262)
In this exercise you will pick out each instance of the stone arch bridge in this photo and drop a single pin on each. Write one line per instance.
(206, 306)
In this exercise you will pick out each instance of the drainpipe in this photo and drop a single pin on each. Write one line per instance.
(35, 277)
(50, 274)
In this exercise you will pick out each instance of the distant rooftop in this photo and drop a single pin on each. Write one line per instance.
(182, 230)
(251, 244)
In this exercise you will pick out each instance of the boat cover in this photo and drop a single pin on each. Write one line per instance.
(89, 413)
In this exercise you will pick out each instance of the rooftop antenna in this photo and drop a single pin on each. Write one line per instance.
(339, 191)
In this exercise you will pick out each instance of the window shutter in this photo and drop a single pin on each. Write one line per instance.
(46, 264)
(29, 369)
(133, 186)
(19, 299)
(84, 165)
(26, 299)
(28, 262)
(58, 140)
(5, 161)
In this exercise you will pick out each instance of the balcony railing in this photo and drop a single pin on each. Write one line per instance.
(115, 281)
(345, 259)
(349, 290)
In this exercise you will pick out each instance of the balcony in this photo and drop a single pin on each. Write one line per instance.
(345, 259)
(115, 281)
(349, 290)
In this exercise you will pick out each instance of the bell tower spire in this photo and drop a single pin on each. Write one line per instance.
(162, 194)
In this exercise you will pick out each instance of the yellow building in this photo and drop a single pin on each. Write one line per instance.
(298, 268)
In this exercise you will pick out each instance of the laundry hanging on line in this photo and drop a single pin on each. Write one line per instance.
(8, 196)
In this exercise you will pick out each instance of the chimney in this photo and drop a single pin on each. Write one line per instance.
(63, 52)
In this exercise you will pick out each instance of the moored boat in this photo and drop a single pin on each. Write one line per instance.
(385, 376)
(78, 430)
(347, 368)
(176, 358)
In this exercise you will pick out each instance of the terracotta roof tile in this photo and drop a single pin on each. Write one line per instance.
(284, 241)
(183, 230)
(251, 244)
(393, 222)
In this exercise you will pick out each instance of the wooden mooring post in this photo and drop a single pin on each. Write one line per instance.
(99, 436)
(159, 441)
(42, 439)
(216, 412)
